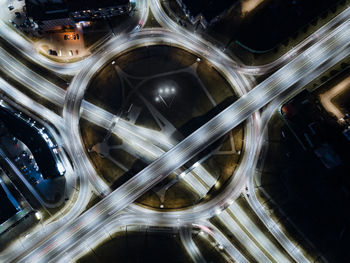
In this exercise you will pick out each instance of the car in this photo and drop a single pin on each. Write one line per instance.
(13, 23)
(52, 52)
(33, 179)
(10, 7)
(26, 22)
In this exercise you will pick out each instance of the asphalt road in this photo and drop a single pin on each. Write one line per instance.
(325, 50)
(262, 94)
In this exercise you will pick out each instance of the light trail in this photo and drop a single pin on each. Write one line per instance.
(299, 69)
(219, 125)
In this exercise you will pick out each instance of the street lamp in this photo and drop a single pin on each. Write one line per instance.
(37, 215)
(165, 93)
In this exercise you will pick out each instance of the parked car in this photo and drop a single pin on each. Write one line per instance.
(52, 52)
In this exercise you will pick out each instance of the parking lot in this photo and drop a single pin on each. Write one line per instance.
(66, 43)
(23, 159)
(62, 43)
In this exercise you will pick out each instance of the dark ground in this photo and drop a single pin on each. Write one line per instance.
(277, 20)
(314, 198)
(146, 247)
(7, 209)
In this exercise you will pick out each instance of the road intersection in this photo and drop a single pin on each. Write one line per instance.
(304, 64)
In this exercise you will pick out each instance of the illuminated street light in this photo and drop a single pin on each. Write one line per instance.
(165, 94)
(37, 215)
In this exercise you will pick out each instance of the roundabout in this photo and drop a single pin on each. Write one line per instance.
(82, 81)
(178, 94)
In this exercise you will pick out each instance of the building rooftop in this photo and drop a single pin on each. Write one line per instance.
(75, 5)
(47, 9)
(56, 9)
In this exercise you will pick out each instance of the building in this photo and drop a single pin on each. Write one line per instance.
(39, 141)
(205, 12)
(53, 13)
